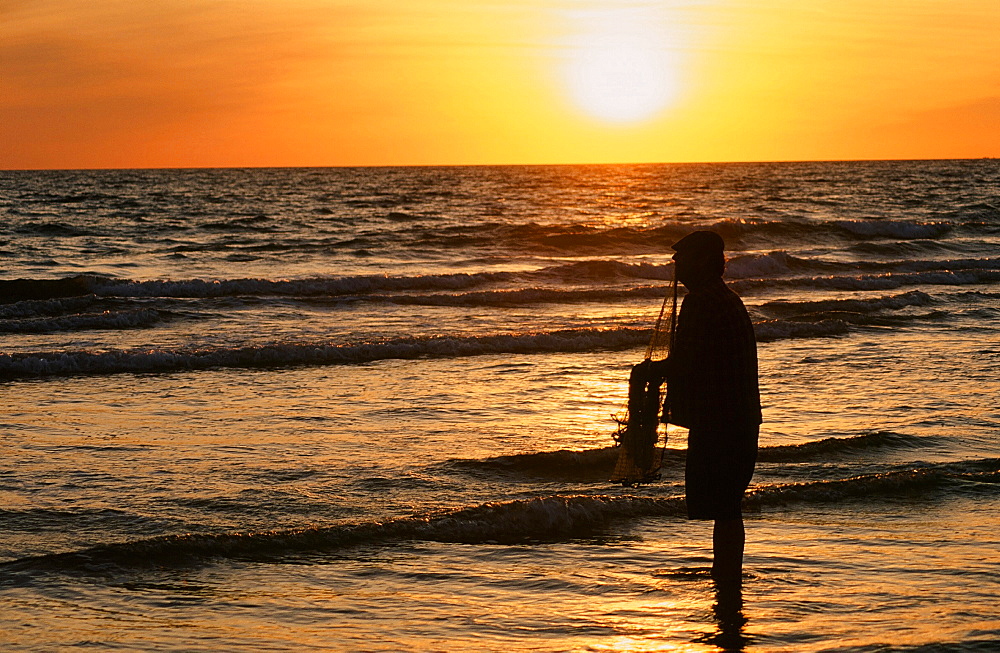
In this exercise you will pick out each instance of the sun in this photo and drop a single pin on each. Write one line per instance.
(618, 70)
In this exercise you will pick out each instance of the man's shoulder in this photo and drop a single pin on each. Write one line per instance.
(714, 294)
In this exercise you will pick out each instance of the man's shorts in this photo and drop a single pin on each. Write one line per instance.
(720, 464)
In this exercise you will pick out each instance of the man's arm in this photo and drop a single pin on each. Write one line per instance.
(656, 372)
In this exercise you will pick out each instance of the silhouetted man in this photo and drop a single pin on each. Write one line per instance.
(712, 390)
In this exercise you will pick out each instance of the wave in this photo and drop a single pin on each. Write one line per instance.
(17, 290)
(352, 287)
(772, 264)
(523, 296)
(967, 295)
(832, 317)
(892, 302)
(786, 229)
(902, 230)
(770, 330)
(594, 465)
(53, 228)
(923, 265)
(318, 286)
(571, 238)
(115, 361)
(548, 518)
(31, 520)
(373, 288)
(919, 481)
(544, 518)
(527, 296)
(778, 268)
(129, 319)
(604, 270)
(253, 223)
(582, 238)
(21, 290)
(590, 465)
(777, 263)
(831, 447)
(14, 366)
(41, 307)
(781, 263)
(891, 281)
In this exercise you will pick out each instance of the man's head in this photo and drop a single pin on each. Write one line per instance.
(699, 258)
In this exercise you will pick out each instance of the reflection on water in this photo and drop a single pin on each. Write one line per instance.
(427, 360)
(728, 611)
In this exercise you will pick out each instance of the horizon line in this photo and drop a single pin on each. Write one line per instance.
(501, 165)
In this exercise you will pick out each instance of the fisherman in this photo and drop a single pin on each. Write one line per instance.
(712, 391)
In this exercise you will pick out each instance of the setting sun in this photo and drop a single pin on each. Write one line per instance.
(180, 83)
(618, 70)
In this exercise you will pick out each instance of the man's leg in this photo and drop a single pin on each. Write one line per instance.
(728, 538)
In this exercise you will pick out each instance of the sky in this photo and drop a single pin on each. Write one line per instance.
(219, 83)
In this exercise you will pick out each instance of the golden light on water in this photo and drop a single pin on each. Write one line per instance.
(619, 68)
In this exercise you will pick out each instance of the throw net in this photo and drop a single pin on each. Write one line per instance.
(638, 429)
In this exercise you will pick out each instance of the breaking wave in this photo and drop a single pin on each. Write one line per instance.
(524, 296)
(903, 300)
(919, 481)
(898, 229)
(297, 354)
(319, 286)
(830, 447)
(780, 263)
(129, 319)
(889, 281)
(746, 271)
(544, 518)
(590, 465)
(40, 289)
(770, 330)
(847, 229)
(37, 364)
(548, 518)
(582, 238)
(38, 307)
(563, 465)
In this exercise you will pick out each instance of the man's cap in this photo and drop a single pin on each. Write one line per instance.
(700, 242)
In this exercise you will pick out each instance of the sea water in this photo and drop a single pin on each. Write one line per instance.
(370, 409)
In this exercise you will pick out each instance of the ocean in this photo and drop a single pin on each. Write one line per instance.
(370, 409)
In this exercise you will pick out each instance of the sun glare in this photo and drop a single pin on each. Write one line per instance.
(619, 69)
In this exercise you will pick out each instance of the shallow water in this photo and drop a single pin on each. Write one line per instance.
(370, 409)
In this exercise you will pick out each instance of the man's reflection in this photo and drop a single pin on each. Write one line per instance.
(728, 611)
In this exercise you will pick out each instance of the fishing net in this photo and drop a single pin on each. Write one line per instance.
(638, 429)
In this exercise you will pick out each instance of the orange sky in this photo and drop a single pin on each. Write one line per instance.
(179, 83)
